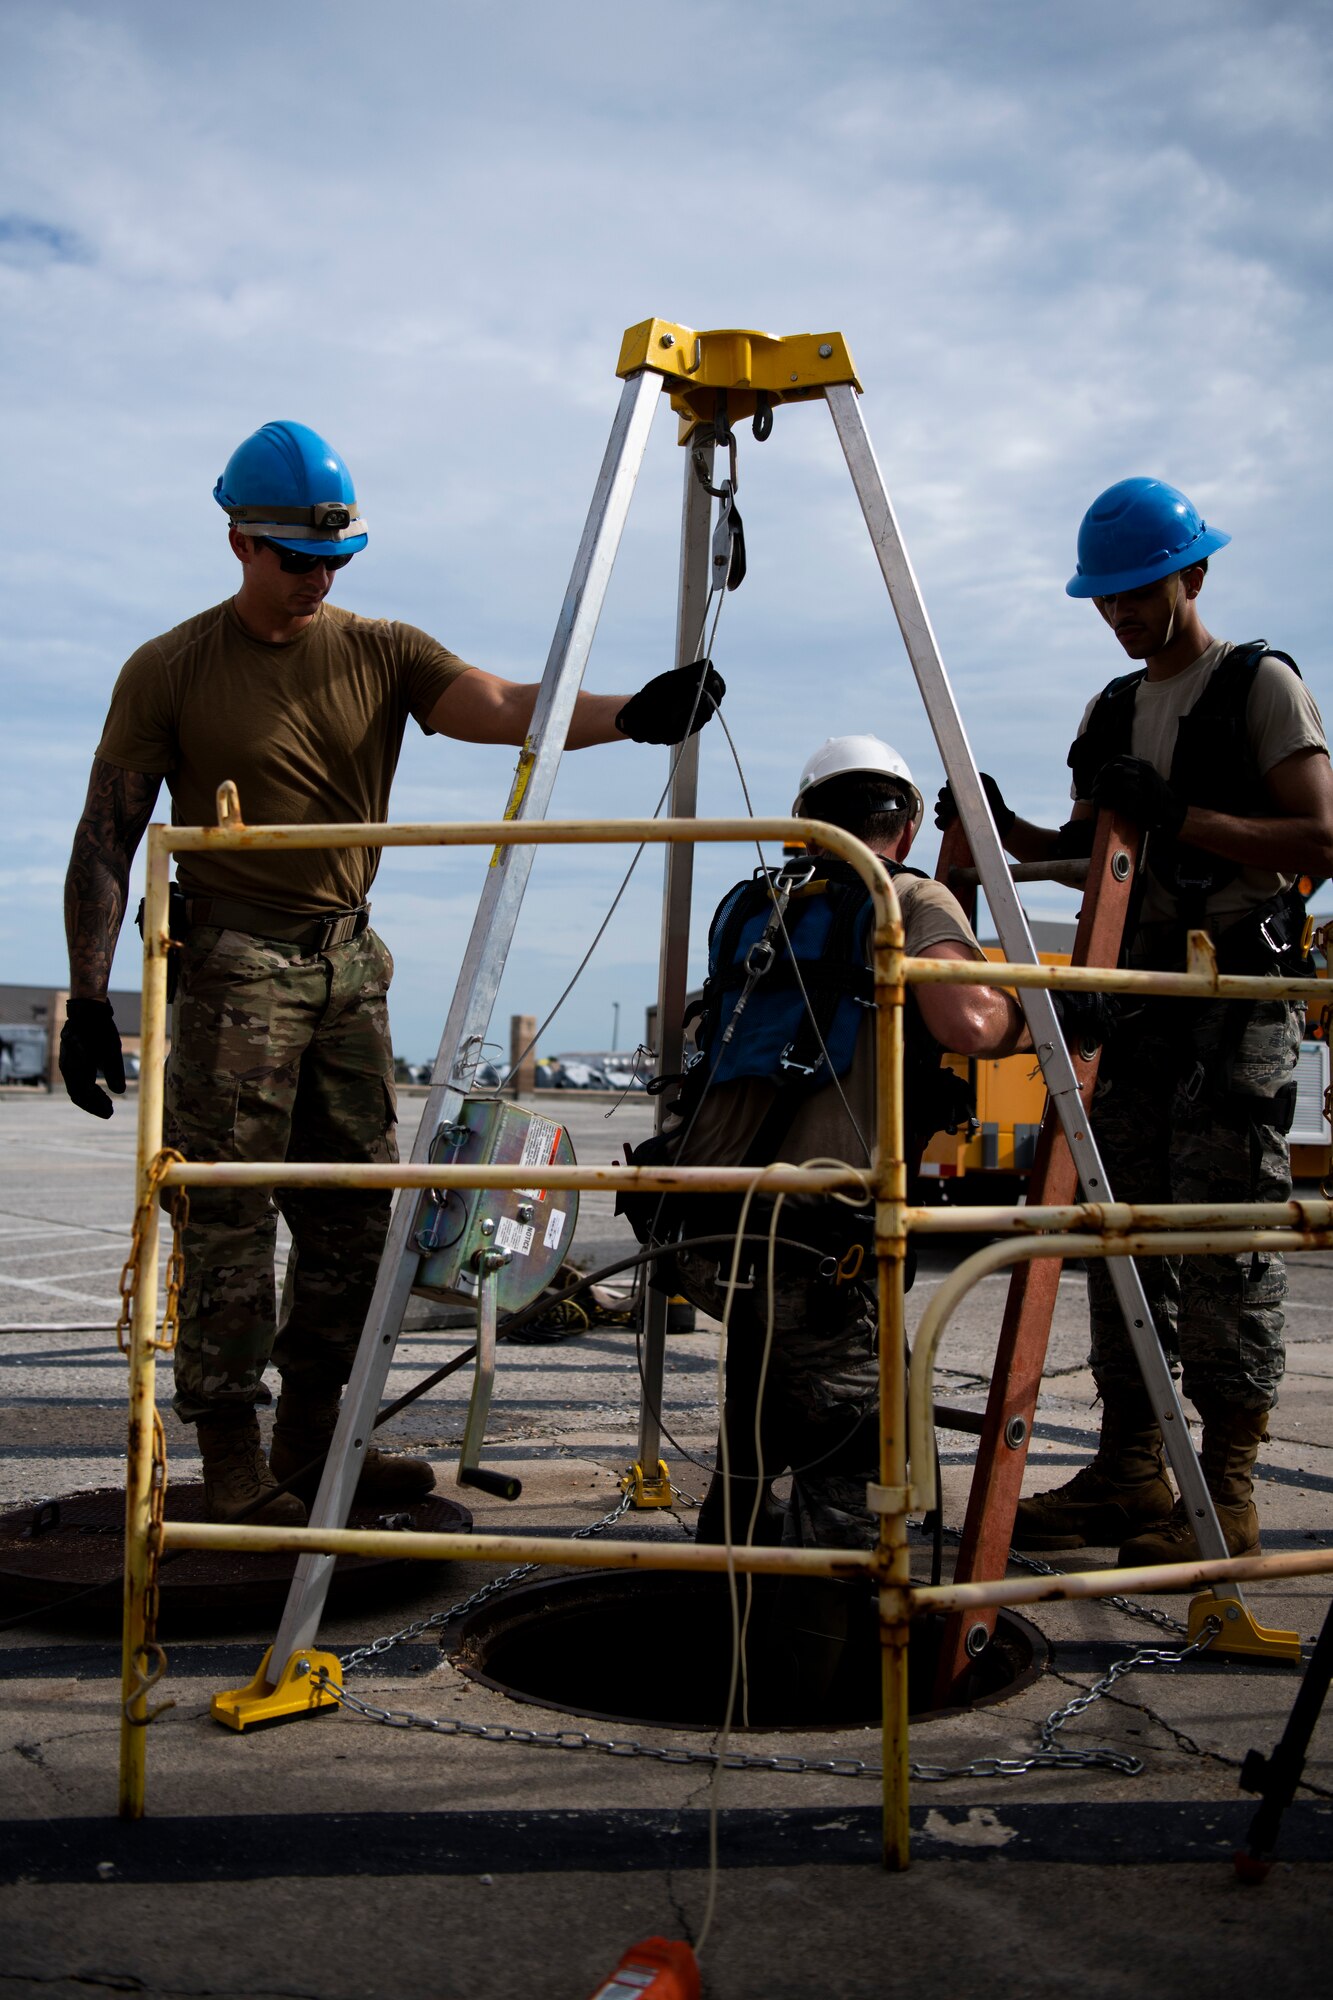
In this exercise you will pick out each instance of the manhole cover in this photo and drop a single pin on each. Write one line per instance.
(66, 1547)
(656, 1648)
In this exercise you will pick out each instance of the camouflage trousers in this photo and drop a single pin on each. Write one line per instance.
(1194, 1105)
(277, 1053)
(819, 1406)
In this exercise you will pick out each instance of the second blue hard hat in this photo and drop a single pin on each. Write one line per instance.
(287, 484)
(1136, 532)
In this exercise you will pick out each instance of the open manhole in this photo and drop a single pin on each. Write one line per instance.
(63, 1560)
(655, 1647)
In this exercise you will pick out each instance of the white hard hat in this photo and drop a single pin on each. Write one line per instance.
(840, 756)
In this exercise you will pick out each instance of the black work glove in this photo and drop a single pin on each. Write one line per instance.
(673, 706)
(1074, 840)
(89, 1043)
(946, 811)
(1086, 1019)
(1132, 786)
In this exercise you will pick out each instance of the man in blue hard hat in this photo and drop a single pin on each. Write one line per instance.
(1218, 752)
(280, 1038)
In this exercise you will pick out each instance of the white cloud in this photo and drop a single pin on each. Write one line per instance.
(1063, 245)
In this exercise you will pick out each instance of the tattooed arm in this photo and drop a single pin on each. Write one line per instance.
(116, 811)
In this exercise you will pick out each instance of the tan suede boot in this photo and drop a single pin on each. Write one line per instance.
(1231, 1440)
(1124, 1488)
(236, 1476)
(302, 1433)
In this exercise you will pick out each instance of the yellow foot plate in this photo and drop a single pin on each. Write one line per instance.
(654, 1491)
(295, 1692)
(1240, 1633)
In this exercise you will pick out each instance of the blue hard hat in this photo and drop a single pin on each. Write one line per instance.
(287, 484)
(1134, 533)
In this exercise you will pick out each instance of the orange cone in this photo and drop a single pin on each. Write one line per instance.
(656, 1969)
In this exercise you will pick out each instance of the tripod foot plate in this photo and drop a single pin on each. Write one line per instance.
(1240, 1631)
(294, 1693)
(649, 1489)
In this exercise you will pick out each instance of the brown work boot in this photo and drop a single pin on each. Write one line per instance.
(1231, 1440)
(302, 1433)
(1124, 1488)
(237, 1479)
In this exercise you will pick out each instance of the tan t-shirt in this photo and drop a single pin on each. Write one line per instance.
(310, 731)
(731, 1115)
(1281, 717)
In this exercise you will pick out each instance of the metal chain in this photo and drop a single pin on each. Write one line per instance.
(439, 1619)
(1048, 1756)
(1152, 1613)
(1146, 1656)
(175, 1277)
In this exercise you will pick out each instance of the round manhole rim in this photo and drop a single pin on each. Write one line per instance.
(499, 1613)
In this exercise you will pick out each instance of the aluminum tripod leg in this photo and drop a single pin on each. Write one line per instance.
(478, 982)
(1016, 940)
(471, 1471)
(673, 963)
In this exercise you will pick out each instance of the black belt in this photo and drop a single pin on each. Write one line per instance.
(316, 933)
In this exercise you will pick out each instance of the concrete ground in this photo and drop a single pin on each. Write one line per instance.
(341, 1859)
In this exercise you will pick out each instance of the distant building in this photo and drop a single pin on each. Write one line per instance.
(24, 1009)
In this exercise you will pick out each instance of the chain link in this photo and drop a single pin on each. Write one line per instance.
(439, 1619)
(1146, 1656)
(175, 1276)
(1048, 1756)
(1151, 1613)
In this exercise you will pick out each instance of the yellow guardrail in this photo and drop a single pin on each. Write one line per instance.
(1121, 1230)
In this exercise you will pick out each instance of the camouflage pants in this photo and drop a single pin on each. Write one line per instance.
(277, 1053)
(1188, 1109)
(820, 1402)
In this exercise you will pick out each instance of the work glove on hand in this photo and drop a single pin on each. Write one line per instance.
(1132, 786)
(946, 811)
(1073, 842)
(1087, 1020)
(89, 1042)
(673, 705)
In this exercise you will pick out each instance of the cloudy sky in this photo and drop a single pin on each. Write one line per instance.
(1065, 243)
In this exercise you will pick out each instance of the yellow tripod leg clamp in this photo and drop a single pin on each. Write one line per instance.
(1240, 1631)
(649, 1490)
(295, 1692)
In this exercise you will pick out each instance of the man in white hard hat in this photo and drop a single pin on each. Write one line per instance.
(787, 1071)
(280, 1035)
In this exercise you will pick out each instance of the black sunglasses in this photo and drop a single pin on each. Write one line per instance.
(296, 564)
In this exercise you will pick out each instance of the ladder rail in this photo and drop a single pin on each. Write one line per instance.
(1020, 1352)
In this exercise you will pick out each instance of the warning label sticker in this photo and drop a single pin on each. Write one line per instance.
(516, 1237)
(555, 1229)
(540, 1146)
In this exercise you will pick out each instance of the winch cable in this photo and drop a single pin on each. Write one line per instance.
(723, 1741)
(114, 1580)
(705, 660)
(740, 1624)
